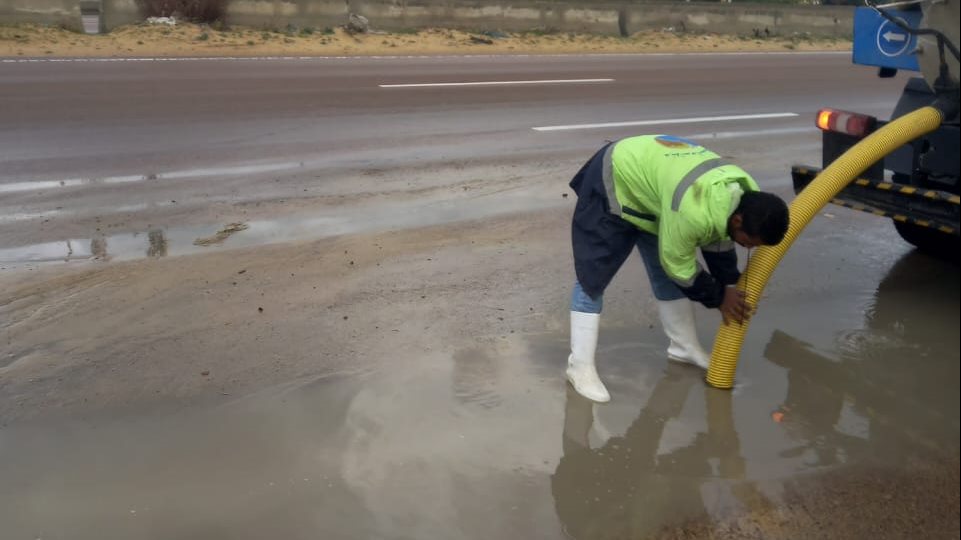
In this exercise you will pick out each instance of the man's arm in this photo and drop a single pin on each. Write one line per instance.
(721, 259)
(677, 247)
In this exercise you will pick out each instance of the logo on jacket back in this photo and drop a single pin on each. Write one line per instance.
(671, 141)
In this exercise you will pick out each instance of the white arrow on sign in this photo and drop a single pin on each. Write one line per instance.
(892, 36)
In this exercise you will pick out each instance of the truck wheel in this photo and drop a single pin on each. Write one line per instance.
(931, 241)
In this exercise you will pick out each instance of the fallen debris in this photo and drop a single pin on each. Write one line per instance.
(357, 24)
(221, 235)
(169, 21)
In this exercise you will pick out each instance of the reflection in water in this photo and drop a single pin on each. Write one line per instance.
(893, 386)
(883, 395)
(98, 247)
(101, 248)
(309, 226)
(476, 378)
(263, 467)
(625, 489)
(157, 243)
(811, 411)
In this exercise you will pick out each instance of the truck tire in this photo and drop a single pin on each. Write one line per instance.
(931, 241)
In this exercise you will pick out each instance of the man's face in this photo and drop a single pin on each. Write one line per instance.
(740, 236)
(743, 239)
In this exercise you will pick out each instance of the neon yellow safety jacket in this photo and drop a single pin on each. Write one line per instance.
(679, 191)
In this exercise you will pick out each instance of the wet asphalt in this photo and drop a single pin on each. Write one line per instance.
(129, 147)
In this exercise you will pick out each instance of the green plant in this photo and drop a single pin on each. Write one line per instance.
(69, 28)
(545, 31)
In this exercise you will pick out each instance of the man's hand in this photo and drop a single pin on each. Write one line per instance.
(735, 306)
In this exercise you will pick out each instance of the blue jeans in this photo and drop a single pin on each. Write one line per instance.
(663, 287)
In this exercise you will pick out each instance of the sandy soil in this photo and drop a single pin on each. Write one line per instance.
(186, 39)
(142, 334)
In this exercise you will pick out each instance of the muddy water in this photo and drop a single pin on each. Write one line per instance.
(182, 240)
(486, 441)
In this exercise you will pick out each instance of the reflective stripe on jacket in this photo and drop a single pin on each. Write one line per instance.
(678, 190)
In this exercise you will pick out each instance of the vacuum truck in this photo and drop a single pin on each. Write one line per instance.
(916, 186)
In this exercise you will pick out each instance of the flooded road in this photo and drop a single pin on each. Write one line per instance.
(319, 310)
(841, 425)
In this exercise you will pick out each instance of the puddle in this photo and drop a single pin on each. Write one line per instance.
(182, 240)
(488, 441)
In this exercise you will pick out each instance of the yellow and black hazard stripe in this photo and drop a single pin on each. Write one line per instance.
(903, 189)
(913, 191)
(923, 197)
(895, 216)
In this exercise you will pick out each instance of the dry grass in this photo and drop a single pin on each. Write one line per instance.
(187, 39)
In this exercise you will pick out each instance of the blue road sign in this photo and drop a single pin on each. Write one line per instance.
(879, 42)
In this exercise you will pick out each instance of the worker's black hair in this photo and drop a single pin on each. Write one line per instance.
(764, 216)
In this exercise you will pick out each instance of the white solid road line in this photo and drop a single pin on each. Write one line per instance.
(495, 83)
(667, 121)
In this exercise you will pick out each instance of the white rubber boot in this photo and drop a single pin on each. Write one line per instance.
(677, 318)
(581, 371)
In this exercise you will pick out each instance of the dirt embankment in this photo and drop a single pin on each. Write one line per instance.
(186, 39)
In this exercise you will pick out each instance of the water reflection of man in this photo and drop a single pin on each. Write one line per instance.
(156, 243)
(98, 247)
(624, 489)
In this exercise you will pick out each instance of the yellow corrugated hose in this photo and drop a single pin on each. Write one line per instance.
(727, 344)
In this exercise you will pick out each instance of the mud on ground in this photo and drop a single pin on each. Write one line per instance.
(143, 334)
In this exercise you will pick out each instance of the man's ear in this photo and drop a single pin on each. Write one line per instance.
(735, 222)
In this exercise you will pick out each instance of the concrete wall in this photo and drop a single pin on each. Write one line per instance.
(119, 12)
(834, 21)
(510, 15)
(66, 13)
(519, 15)
(280, 13)
(490, 15)
(51, 12)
